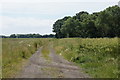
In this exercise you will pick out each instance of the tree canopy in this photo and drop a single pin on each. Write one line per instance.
(105, 23)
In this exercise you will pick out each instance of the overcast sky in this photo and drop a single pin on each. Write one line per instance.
(38, 16)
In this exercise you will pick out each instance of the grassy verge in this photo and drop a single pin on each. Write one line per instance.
(16, 51)
(98, 56)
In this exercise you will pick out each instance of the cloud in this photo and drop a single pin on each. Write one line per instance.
(22, 21)
(51, 8)
(22, 24)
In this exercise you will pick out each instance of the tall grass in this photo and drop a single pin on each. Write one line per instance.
(98, 56)
(17, 51)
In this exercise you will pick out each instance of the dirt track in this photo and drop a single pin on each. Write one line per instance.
(56, 67)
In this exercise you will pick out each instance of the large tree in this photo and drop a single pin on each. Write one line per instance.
(99, 24)
(57, 26)
(108, 22)
(69, 28)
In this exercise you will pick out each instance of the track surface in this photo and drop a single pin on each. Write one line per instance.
(56, 67)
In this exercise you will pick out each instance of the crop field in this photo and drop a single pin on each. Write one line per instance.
(98, 57)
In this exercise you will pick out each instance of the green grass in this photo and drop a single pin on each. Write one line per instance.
(45, 52)
(98, 56)
(15, 52)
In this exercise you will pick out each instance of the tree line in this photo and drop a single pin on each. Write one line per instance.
(105, 23)
(29, 36)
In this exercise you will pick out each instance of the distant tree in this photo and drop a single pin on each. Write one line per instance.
(12, 36)
(30, 36)
(37, 36)
(4, 36)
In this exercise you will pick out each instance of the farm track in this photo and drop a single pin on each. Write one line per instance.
(56, 67)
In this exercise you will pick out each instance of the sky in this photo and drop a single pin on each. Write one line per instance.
(38, 16)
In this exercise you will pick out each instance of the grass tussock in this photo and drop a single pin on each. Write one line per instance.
(45, 52)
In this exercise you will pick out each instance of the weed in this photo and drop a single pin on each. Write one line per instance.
(97, 56)
(15, 51)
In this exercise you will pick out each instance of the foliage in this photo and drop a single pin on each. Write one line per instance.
(97, 56)
(101, 24)
(57, 26)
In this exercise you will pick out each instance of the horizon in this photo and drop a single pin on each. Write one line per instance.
(26, 34)
(38, 17)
